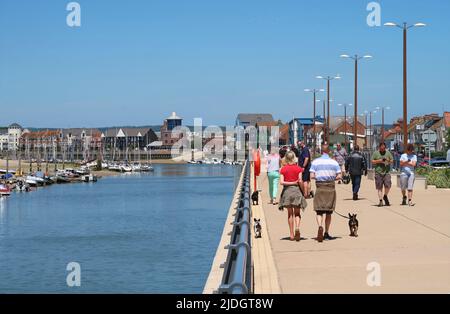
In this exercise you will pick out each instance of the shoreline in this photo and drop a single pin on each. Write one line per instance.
(13, 165)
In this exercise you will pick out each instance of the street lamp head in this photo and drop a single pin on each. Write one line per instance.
(319, 77)
(390, 24)
(307, 90)
(377, 108)
(388, 108)
(337, 77)
(321, 90)
(420, 25)
(368, 57)
(344, 56)
(350, 105)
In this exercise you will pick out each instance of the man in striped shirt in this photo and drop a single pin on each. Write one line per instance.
(325, 171)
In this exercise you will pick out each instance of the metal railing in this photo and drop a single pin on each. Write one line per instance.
(237, 267)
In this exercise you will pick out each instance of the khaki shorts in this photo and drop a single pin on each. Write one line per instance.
(383, 180)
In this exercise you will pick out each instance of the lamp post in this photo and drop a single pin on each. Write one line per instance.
(382, 120)
(328, 79)
(345, 121)
(314, 92)
(356, 59)
(371, 113)
(364, 115)
(405, 27)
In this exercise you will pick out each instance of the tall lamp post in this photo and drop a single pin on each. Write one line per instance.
(405, 27)
(364, 116)
(356, 59)
(382, 120)
(328, 79)
(345, 121)
(314, 92)
(371, 113)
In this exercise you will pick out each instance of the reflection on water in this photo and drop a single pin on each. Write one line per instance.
(155, 232)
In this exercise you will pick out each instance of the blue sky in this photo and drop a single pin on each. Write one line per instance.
(134, 62)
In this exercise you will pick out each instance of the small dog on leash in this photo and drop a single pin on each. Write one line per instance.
(353, 224)
(257, 228)
(255, 198)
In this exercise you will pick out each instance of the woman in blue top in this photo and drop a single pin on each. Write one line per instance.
(408, 162)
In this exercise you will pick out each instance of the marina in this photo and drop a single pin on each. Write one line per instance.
(149, 232)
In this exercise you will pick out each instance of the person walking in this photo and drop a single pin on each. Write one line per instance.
(340, 155)
(304, 161)
(382, 160)
(408, 162)
(356, 166)
(273, 174)
(292, 198)
(325, 171)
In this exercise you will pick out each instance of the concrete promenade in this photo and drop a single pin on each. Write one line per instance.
(411, 245)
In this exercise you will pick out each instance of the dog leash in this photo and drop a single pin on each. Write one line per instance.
(342, 215)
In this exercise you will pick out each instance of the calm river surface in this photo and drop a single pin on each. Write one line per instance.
(148, 233)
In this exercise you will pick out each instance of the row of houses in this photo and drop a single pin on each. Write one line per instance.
(101, 141)
(341, 130)
(430, 123)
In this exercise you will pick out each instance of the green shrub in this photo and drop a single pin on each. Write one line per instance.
(438, 177)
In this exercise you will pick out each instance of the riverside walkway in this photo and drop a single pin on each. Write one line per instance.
(410, 244)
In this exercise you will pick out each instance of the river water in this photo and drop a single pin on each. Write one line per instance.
(132, 233)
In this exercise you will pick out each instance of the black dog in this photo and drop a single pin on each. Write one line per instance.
(257, 228)
(255, 198)
(353, 225)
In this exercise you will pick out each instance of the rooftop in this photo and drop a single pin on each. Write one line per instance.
(254, 118)
(174, 117)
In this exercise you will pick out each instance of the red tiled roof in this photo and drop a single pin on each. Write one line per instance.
(447, 119)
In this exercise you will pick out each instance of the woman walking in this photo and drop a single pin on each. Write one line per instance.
(292, 198)
(408, 162)
(273, 173)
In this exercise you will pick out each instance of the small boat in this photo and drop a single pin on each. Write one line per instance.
(147, 168)
(206, 161)
(126, 168)
(4, 190)
(31, 182)
(216, 161)
(22, 186)
(136, 167)
(61, 179)
(35, 180)
(114, 167)
(82, 171)
(89, 178)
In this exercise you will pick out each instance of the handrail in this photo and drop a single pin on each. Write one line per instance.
(237, 267)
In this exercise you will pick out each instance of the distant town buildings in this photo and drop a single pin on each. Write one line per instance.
(10, 136)
(92, 143)
(252, 119)
(169, 124)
